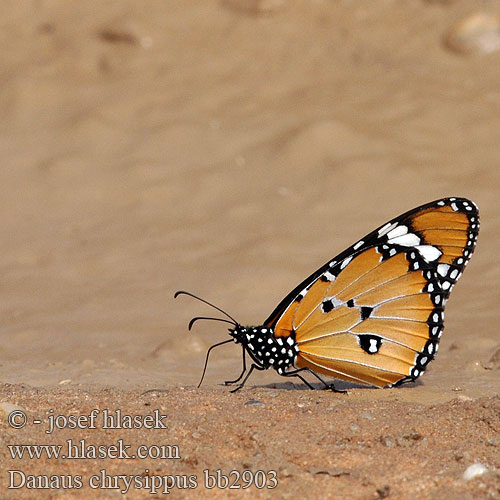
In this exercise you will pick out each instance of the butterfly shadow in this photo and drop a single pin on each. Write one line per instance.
(339, 385)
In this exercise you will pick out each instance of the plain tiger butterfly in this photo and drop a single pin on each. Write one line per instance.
(374, 314)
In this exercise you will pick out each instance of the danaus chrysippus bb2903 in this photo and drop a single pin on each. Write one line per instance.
(372, 315)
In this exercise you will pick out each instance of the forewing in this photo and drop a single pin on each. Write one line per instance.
(374, 314)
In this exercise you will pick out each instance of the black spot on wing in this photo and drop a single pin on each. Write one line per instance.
(365, 312)
(370, 343)
(327, 306)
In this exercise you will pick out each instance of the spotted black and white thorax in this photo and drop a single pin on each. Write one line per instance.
(265, 348)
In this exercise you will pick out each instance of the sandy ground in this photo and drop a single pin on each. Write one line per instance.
(230, 148)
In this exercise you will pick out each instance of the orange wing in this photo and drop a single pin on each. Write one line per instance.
(374, 314)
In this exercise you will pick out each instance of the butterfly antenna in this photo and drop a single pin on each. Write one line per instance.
(191, 323)
(182, 292)
(208, 355)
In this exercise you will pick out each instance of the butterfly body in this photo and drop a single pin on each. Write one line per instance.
(265, 349)
(374, 314)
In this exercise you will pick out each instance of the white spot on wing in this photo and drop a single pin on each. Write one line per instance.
(373, 345)
(442, 269)
(329, 276)
(358, 245)
(336, 302)
(407, 240)
(428, 252)
(346, 261)
(397, 231)
(385, 229)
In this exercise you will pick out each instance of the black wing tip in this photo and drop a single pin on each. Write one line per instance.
(460, 200)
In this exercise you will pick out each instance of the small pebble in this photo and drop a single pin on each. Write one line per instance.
(329, 472)
(254, 402)
(494, 362)
(117, 36)
(474, 470)
(474, 366)
(284, 472)
(255, 6)
(66, 381)
(477, 33)
(7, 408)
(384, 491)
(387, 441)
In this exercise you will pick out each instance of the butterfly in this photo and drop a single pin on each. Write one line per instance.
(374, 314)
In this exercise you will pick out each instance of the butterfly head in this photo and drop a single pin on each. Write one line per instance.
(251, 336)
(238, 333)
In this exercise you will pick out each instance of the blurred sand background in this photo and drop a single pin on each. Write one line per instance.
(229, 148)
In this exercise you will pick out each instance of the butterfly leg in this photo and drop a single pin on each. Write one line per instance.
(252, 368)
(327, 385)
(208, 355)
(296, 374)
(229, 382)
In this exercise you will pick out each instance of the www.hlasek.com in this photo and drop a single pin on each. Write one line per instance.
(79, 449)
